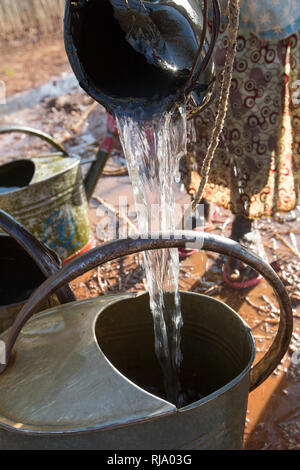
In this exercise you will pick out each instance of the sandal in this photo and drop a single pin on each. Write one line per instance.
(240, 284)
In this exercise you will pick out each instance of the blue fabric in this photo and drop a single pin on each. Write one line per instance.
(267, 19)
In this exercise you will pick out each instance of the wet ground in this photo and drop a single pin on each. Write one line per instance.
(273, 416)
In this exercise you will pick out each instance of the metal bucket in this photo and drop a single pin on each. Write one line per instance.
(107, 388)
(155, 56)
(46, 194)
(25, 263)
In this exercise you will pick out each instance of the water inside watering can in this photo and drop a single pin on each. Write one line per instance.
(153, 146)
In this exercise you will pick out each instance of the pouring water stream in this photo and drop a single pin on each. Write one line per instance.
(153, 146)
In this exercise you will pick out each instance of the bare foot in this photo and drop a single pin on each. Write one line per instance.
(244, 231)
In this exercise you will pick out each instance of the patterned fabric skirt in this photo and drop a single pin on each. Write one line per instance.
(256, 167)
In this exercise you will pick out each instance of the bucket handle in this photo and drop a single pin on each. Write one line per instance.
(45, 258)
(118, 248)
(36, 133)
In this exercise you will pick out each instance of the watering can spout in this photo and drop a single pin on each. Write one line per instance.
(152, 54)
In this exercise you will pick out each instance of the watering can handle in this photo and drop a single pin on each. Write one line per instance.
(200, 66)
(46, 259)
(200, 240)
(42, 135)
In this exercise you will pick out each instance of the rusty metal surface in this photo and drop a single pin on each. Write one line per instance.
(112, 250)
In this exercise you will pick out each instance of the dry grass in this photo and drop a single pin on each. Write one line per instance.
(18, 17)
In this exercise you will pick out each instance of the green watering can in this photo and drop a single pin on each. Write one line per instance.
(85, 375)
(48, 196)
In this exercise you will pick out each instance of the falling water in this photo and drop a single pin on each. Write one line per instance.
(153, 148)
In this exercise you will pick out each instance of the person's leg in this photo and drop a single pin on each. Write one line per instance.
(248, 173)
(244, 231)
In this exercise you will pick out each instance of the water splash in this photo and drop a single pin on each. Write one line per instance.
(153, 148)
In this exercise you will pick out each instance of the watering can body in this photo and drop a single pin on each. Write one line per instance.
(95, 376)
(90, 383)
(149, 54)
(47, 195)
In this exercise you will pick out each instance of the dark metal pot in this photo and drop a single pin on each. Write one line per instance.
(151, 54)
(25, 263)
(94, 373)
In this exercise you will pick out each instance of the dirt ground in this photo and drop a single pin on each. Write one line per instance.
(273, 416)
(28, 63)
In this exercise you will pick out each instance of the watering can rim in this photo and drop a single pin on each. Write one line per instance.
(9, 424)
(88, 182)
(75, 161)
(12, 162)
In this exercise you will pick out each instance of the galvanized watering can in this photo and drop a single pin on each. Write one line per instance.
(25, 263)
(48, 195)
(85, 375)
(149, 54)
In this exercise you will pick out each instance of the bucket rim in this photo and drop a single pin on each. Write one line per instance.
(14, 162)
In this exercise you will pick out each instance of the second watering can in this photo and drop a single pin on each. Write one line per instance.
(85, 375)
(48, 195)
